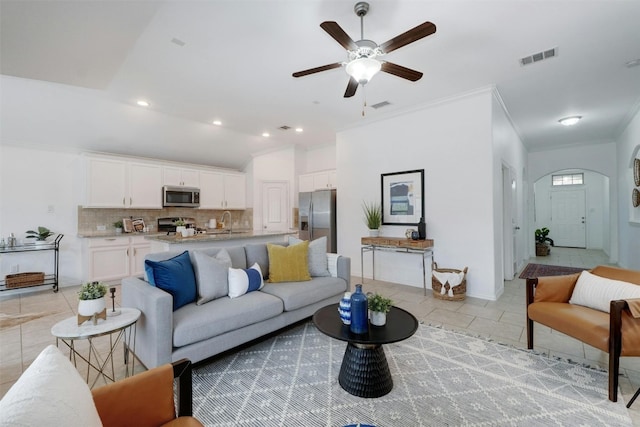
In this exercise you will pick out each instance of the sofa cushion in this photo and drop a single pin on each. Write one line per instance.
(211, 275)
(300, 294)
(288, 264)
(242, 280)
(194, 323)
(50, 392)
(175, 276)
(597, 292)
(316, 257)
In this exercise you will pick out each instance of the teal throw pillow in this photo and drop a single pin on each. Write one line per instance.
(175, 276)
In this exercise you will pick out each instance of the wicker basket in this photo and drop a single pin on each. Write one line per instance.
(20, 280)
(459, 292)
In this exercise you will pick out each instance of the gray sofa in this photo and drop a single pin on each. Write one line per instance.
(198, 332)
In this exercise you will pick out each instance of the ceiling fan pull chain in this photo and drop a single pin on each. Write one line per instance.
(364, 99)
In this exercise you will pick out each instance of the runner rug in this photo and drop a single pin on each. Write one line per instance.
(539, 270)
(441, 378)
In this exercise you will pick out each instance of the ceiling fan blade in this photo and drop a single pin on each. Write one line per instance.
(317, 69)
(400, 71)
(335, 31)
(416, 33)
(351, 88)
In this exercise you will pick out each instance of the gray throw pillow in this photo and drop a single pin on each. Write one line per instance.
(211, 275)
(317, 256)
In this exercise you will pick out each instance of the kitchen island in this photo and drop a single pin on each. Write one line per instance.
(161, 243)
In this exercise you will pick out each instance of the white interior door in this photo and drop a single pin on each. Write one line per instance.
(568, 226)
(275, 205)
(509, 226)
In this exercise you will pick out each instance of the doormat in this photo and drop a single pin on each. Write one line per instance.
(539, 270)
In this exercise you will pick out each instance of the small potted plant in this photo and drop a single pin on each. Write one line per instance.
(181, 227)
(379, 307)
(41, 235)
(542, 249)
(91, 298)
(372, 217)
(118, 225)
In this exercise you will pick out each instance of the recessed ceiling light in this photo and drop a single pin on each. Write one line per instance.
(217, 122)
(299, 130)
(570, 121)
(265, 134)
(142, 103)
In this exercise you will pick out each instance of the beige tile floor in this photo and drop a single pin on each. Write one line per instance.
(502, 320)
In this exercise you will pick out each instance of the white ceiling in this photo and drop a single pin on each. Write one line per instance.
(238, 56)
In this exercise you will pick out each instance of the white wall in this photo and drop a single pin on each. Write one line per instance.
(321, 158)
(629, 242)
(508, 152)
(31, 181)
(597, 206)
(600, 158)
(452, 142)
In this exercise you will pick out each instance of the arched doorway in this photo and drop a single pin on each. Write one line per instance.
(576, 208)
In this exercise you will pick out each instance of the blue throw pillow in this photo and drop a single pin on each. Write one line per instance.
(175, 276)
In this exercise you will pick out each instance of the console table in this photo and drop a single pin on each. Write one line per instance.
(396, 244)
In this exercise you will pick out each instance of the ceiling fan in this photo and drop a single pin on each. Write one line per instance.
(363, 54)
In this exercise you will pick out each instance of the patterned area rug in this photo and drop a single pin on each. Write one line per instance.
(539, 270)
(441, 378)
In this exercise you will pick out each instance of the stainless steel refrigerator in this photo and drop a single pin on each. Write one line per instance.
(317, 216)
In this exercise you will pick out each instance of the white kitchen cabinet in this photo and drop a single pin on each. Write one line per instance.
(139, 248)
(106, 183)
(114, 183)
(305, 183)
(324, 180)
(108, 259)
(180, 176)
(219, 190)
(114, 258)
(145, 186)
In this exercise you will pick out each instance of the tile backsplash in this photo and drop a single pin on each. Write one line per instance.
(90, 218)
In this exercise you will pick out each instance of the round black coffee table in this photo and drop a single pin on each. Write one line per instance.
(365, 371)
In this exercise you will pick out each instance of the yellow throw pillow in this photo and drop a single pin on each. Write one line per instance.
(288, 264)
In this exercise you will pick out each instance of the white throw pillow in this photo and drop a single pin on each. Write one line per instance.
(242, 281)
(598, 292)
(316, 256)
(211, 275)
(49, 393)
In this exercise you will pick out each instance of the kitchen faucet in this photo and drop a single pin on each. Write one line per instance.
(222, 220)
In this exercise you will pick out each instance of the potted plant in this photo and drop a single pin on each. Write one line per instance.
(41, 235)
(91, 298)
(118, 225)
(181, 227)
(372, 217)
(542, 249)
(379, 307)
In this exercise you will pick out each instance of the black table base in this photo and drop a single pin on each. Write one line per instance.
(365, 371)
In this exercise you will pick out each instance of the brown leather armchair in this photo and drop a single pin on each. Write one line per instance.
(146, 399)
(617, 332)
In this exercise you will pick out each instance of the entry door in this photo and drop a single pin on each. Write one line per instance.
(275, 205)
(568, 226)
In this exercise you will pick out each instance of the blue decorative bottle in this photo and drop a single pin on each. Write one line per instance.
(359, 312)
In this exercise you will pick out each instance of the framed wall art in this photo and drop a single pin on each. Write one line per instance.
(402, 197)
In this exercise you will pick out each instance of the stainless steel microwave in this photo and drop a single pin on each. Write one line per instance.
(187, 197)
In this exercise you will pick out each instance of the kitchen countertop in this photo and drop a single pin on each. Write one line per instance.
(218, 236)
(110, 234)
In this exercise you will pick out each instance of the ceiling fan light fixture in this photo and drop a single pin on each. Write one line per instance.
(363, 69)
(570, 121)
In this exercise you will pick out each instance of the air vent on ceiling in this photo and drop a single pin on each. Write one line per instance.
(284, 127)
(537, 57)
(380, 104)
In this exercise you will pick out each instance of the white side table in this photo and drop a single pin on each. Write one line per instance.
(124, 326)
